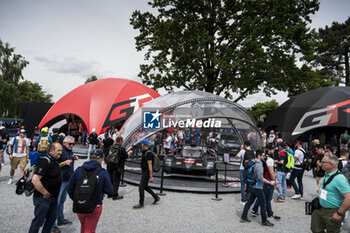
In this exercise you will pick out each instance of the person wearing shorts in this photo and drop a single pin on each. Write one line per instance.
(18, 154)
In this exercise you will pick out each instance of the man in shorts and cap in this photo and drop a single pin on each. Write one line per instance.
(18, 154)
(147, 174)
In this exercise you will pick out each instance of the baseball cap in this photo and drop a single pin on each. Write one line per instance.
(282, 144)
(2, 127)
(316, 141)
(44, 130)
(144, 141)
(36, 128)
(97, 154)
(22, 131)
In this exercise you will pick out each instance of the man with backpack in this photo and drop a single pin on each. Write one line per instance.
(334, 198)
(43, 142)
(86, 188)
(269, 174)
(298, 171)
(246, 154)
(18, 151)
(147, 174)
(115, 165)
(47, 181)
(256, 188)
(281, 174)
(66, 162)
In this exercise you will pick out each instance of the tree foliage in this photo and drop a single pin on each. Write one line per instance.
(13, 90)
(333, 50)
(265, 108)
(227, 46)
(91, 79)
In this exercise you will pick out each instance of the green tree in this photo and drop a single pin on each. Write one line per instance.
(91, 79)
(13, 90)
(332, 53)
(11, 66)
(265, 108)
(226, 46)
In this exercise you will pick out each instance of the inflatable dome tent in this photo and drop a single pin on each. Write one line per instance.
(194, 110)
(100, 104)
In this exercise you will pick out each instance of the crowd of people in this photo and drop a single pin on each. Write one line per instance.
(55, 176)
(279, 165)
(282, 164)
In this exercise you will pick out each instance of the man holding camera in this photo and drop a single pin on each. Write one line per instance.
(334, 198)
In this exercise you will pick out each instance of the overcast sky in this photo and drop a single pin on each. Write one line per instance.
(66, 42)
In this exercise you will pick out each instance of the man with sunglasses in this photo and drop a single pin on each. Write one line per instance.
(66, 162)
(334, 197)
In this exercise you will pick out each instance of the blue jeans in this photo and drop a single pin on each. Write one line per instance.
(296, 173)
(268, 192)
(242, 179)
(281, 178)
(252, 195)
(61, 199)
(91, 148)
(45, 212)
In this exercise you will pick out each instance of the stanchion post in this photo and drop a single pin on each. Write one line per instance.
(122, 179)
(225, 184)
(216, 198)
(161, 182)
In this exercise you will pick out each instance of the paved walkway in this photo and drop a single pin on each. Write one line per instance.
(176, 212)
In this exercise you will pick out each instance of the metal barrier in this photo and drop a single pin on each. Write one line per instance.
(217, 181)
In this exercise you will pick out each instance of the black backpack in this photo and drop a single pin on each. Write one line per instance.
(85, 196)
(114, 155)
(248, 155)
(305, 164)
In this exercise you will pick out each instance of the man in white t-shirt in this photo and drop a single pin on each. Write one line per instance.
(167, 143)
(241, 155)
(298, 171)
(18, 154)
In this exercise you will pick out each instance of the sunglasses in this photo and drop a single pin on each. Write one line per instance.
(71, 144)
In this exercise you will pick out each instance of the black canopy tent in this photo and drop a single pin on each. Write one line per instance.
(322, 107)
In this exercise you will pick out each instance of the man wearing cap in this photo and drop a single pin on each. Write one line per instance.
(93, 141)
(88, 222)
(147, 174)
(18, 154)
(34, 137)
(281, 175)
(41, 138)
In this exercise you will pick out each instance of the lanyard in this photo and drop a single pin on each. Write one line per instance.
(53, 160)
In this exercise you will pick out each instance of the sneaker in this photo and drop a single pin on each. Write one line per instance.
(156, 200)
(245, 220)
(55, 229)
(254, 214)
(65, 222)
(137, 207)
(275, 217)
(242, 203)
(117, 198)
(279, 200)
(296, 196)
(10, 181)
(268, 223)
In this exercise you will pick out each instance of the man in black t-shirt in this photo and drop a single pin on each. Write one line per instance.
(115, 170)
(147, 175)
(47, 181)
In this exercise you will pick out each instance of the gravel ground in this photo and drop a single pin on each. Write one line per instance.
(176, 212)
